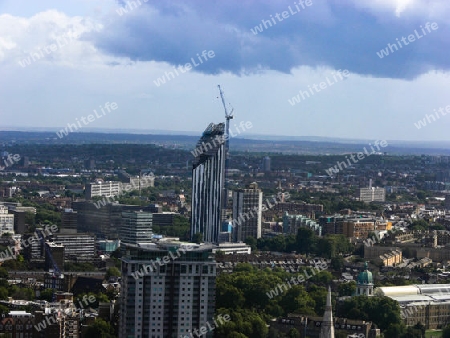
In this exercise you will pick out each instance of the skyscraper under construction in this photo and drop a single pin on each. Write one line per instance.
(208, 177)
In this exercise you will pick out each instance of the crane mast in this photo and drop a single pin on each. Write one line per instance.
(228, 117)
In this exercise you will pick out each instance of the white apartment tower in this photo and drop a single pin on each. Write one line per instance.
(6, 221)
(168, 289)
(247, 213)
(372, 194)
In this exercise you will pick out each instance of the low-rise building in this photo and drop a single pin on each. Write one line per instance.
(372, 194)
(388, 256)
(232, 248)
(428, 304)
(291, 224)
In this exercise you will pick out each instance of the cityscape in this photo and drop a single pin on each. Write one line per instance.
(183, 169)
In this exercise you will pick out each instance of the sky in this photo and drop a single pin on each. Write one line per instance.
(362, 69)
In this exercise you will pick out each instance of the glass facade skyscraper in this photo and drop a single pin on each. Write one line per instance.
(208, 176)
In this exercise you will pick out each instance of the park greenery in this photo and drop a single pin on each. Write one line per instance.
(306, 242)
(243, 294)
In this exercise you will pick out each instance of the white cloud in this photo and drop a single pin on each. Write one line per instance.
(75, 79)
(51, 36)
(424, 9)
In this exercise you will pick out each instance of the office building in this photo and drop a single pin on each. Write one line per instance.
(164, 219)
(331, 224)
(136, 227)
(293, 208)
(291, 224)
(104, 222)
(167, 289)
(372, 194)
(358, 227)
(89, 164)
(208, 176)
(57, 256)
(20, 227)
(25, 161)
(22, 215)
(80, 247)
(107, 246)
(129, 182)
(103, 189)
(266, 164)
(6, 221)
(68, 221)
(247, 213)
(447, 201)
(228, 248)
(34, 249)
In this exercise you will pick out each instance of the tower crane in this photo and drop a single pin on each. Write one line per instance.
(228, 117)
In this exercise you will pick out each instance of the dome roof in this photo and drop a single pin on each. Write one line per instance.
(365, 276)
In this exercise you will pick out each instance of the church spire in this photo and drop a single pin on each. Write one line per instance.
(327, 330)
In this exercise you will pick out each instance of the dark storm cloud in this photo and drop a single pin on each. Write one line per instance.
(328, 33)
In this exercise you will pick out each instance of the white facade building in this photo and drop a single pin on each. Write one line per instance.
(168, 289)
(6, 221)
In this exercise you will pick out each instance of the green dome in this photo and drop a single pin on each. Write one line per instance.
(365, 276)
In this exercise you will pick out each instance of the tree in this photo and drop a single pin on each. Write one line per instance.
(319, 295)
(337, 263)
(229, 296)
(3, 293)
(4, 310)
(347, 289)
(293, 333)
(395, 330)
(323, 278)
(111, 293)
(21, 293)
(3, 272)
(297, 300)
(15, 264)
(112, 272)
(47, 295)
(383, 311)
(101, 329)
(252, 242)
(305, 240)
(421, 327)
(420, 224)
(340, 334)
(198, 238)
(446, 332)
(244, 323)
(413, 332)
(92, 300)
